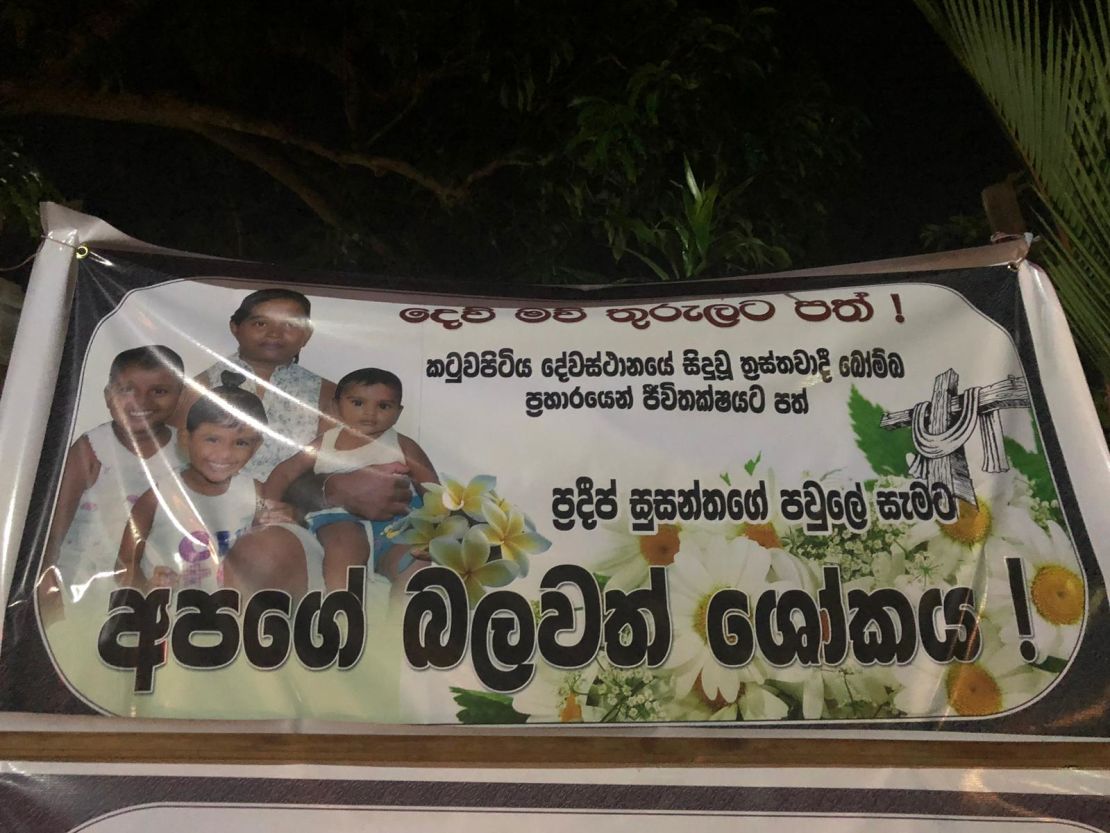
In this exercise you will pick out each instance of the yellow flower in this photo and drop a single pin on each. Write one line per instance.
(431, 510)
(470, 559)
(512, 532)
(422, 532)
(454, 496)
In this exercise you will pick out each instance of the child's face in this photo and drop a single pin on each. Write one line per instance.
(217, 452)
(369, 409)
(141, 400)
(274, 332)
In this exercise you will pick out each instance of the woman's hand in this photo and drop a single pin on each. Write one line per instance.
(377, 493)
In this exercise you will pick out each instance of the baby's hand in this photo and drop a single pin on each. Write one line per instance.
(164, 577)
(274, 512)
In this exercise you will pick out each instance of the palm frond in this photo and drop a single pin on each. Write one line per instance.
(1048, 80)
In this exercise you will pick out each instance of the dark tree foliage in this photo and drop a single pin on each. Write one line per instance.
(514, 141)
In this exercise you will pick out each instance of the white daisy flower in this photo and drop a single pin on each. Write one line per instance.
(769, 533)
(705, 565)
(627, 558)
(1000, 520)
(848, 686)
(559, 696)
(753, 701)
(1054, 587)
(995, 682)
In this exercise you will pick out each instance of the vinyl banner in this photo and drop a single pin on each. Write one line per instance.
(868, 501)
(58, 798)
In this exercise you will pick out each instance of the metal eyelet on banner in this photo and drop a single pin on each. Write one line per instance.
(80, 251)
(1003, 237)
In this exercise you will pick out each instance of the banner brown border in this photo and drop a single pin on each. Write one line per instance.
(532, 750)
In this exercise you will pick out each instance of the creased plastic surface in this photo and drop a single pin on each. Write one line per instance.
(831, 502)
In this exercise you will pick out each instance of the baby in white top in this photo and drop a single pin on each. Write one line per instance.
(368, 404)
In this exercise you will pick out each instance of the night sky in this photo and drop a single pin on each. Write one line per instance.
(933, 143)
(930, 148)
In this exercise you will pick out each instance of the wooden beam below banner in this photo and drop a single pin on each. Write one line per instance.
(544, 750)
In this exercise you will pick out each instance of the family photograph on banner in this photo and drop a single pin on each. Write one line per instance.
(863, 500)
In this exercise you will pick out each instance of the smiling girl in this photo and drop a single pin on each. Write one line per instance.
(181, 529)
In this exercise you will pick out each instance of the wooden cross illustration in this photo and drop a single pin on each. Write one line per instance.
(944, 424)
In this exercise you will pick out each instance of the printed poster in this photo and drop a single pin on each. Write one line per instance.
(59, 798)
(868, 502)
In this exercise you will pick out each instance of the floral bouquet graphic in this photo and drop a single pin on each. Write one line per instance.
(471, 529)
(1015, 515)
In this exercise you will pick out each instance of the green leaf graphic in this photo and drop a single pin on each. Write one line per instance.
(485, 707)
(1033, 466)
(749, 466)
(1053, 665)
(885, 450)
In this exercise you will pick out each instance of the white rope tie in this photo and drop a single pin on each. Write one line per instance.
(934, 446)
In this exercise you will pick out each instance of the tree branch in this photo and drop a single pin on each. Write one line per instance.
(491, 168)
(282, 172)
(166, 111)
(277, 169)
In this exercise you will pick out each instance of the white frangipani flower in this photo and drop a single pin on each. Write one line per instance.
(453, 496)
(470, 558)
(511, 531)
(421, 533)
